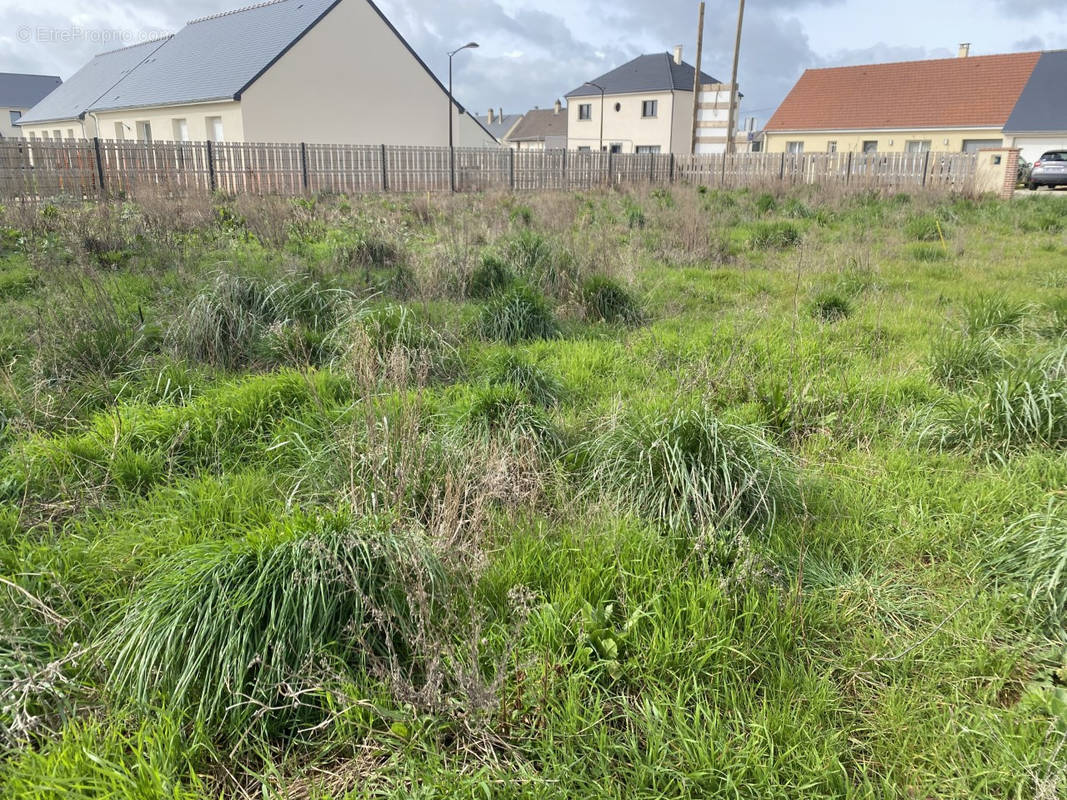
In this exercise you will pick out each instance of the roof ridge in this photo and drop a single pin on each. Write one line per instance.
(953, 59)
(234, 11)
(162, 38)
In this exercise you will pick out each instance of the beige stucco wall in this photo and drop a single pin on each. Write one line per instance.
(7, 130)
(627, 127)
(162, 121)
(68, 129)
(889, 141)
(349, 80)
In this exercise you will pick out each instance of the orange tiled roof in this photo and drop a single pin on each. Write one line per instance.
(978, 91)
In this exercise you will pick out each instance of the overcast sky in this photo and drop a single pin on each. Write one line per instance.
(533, 52)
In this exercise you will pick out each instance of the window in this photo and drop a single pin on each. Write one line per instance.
(870, 146)
(649, 107)
(647, 149)
(15, 116)
(214, 128)
(70, 133)
(917, 146)
(144, 131)
(33, 136)
(616, 147)
(974, 145)
(181, 130)
(584, 148)
(585, 111)
(794, 148)
(120, 132)
(57, 135)
(831, 147)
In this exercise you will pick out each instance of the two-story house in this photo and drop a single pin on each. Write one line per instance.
(18, 94)
(646, 106)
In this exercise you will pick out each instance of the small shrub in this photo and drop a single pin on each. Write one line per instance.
(958, 359)
(831, 306)
(689, 472)
(774, 236)
(517, 315)
(926, 228)
(607, 300)
(492, 275)
(226, 631)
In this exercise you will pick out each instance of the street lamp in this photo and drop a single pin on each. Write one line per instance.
(601, 88)
(451, 101)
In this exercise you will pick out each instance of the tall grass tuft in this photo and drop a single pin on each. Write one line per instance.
(925, 228)
(517, 315)
(993, 314)
(492, 275)
(1033, 553)
(607, 300)
(1003, 415)
(689, 472)
(512, 367)
(245, 631)
(778, 235)
(957, 359)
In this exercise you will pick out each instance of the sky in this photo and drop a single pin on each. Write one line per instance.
(532, 53)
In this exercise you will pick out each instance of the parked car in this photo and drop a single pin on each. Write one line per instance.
(1049, 170)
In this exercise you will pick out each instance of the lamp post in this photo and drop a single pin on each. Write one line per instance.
(601, 88)
(451, 102)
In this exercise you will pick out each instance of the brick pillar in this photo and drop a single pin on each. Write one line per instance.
(1011, 173)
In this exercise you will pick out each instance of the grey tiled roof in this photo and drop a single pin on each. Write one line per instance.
(649, 73)
(217, 57)
(76, 96)
(1041, 107)
(25, 91)
(500, 125)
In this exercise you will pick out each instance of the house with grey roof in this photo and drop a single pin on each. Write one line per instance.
(646, 106)
(19, 93)
(540, 129)
(1038, 122)
(316, 71)
(499, 124)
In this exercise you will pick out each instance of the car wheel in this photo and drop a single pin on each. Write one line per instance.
(1032, 187)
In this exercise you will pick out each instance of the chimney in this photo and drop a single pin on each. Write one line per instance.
(500, 114)
(559, 105)
(965, 49)
(490, 116)
(677, 54)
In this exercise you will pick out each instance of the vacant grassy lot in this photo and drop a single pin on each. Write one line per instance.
(679, 494)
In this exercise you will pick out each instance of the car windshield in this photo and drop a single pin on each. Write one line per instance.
(1054, 156)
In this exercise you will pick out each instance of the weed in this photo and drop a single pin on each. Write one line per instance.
(517, 315)
(1032, 552)
(958, 359)
(925, 228)
(774, 236)
(831, 306)
(607, 300)
(492, 275)
(993, 314)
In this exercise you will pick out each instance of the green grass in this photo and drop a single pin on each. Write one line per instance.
(628, 494)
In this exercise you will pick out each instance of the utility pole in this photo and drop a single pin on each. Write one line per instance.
(696, 79)
(730, 121)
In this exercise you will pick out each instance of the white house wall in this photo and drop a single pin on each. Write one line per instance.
(626, 127)
(350, 80)
(162, 121)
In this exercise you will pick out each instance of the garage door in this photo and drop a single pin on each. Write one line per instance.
(1033, 146)
(974, 145)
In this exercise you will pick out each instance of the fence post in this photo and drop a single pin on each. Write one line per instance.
(385, 170)
(607, 182)
(211, 179)
(670, 171)
(926, 166)
(99, 167)
(848, 169)
(511, 168)
(304, 166)
(651, 167)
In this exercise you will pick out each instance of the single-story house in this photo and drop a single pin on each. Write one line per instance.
(1038, 122)
(646, 106)
(499, 124)
(317, 71)
(19, 93)
(961, 104)
(540, 129)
